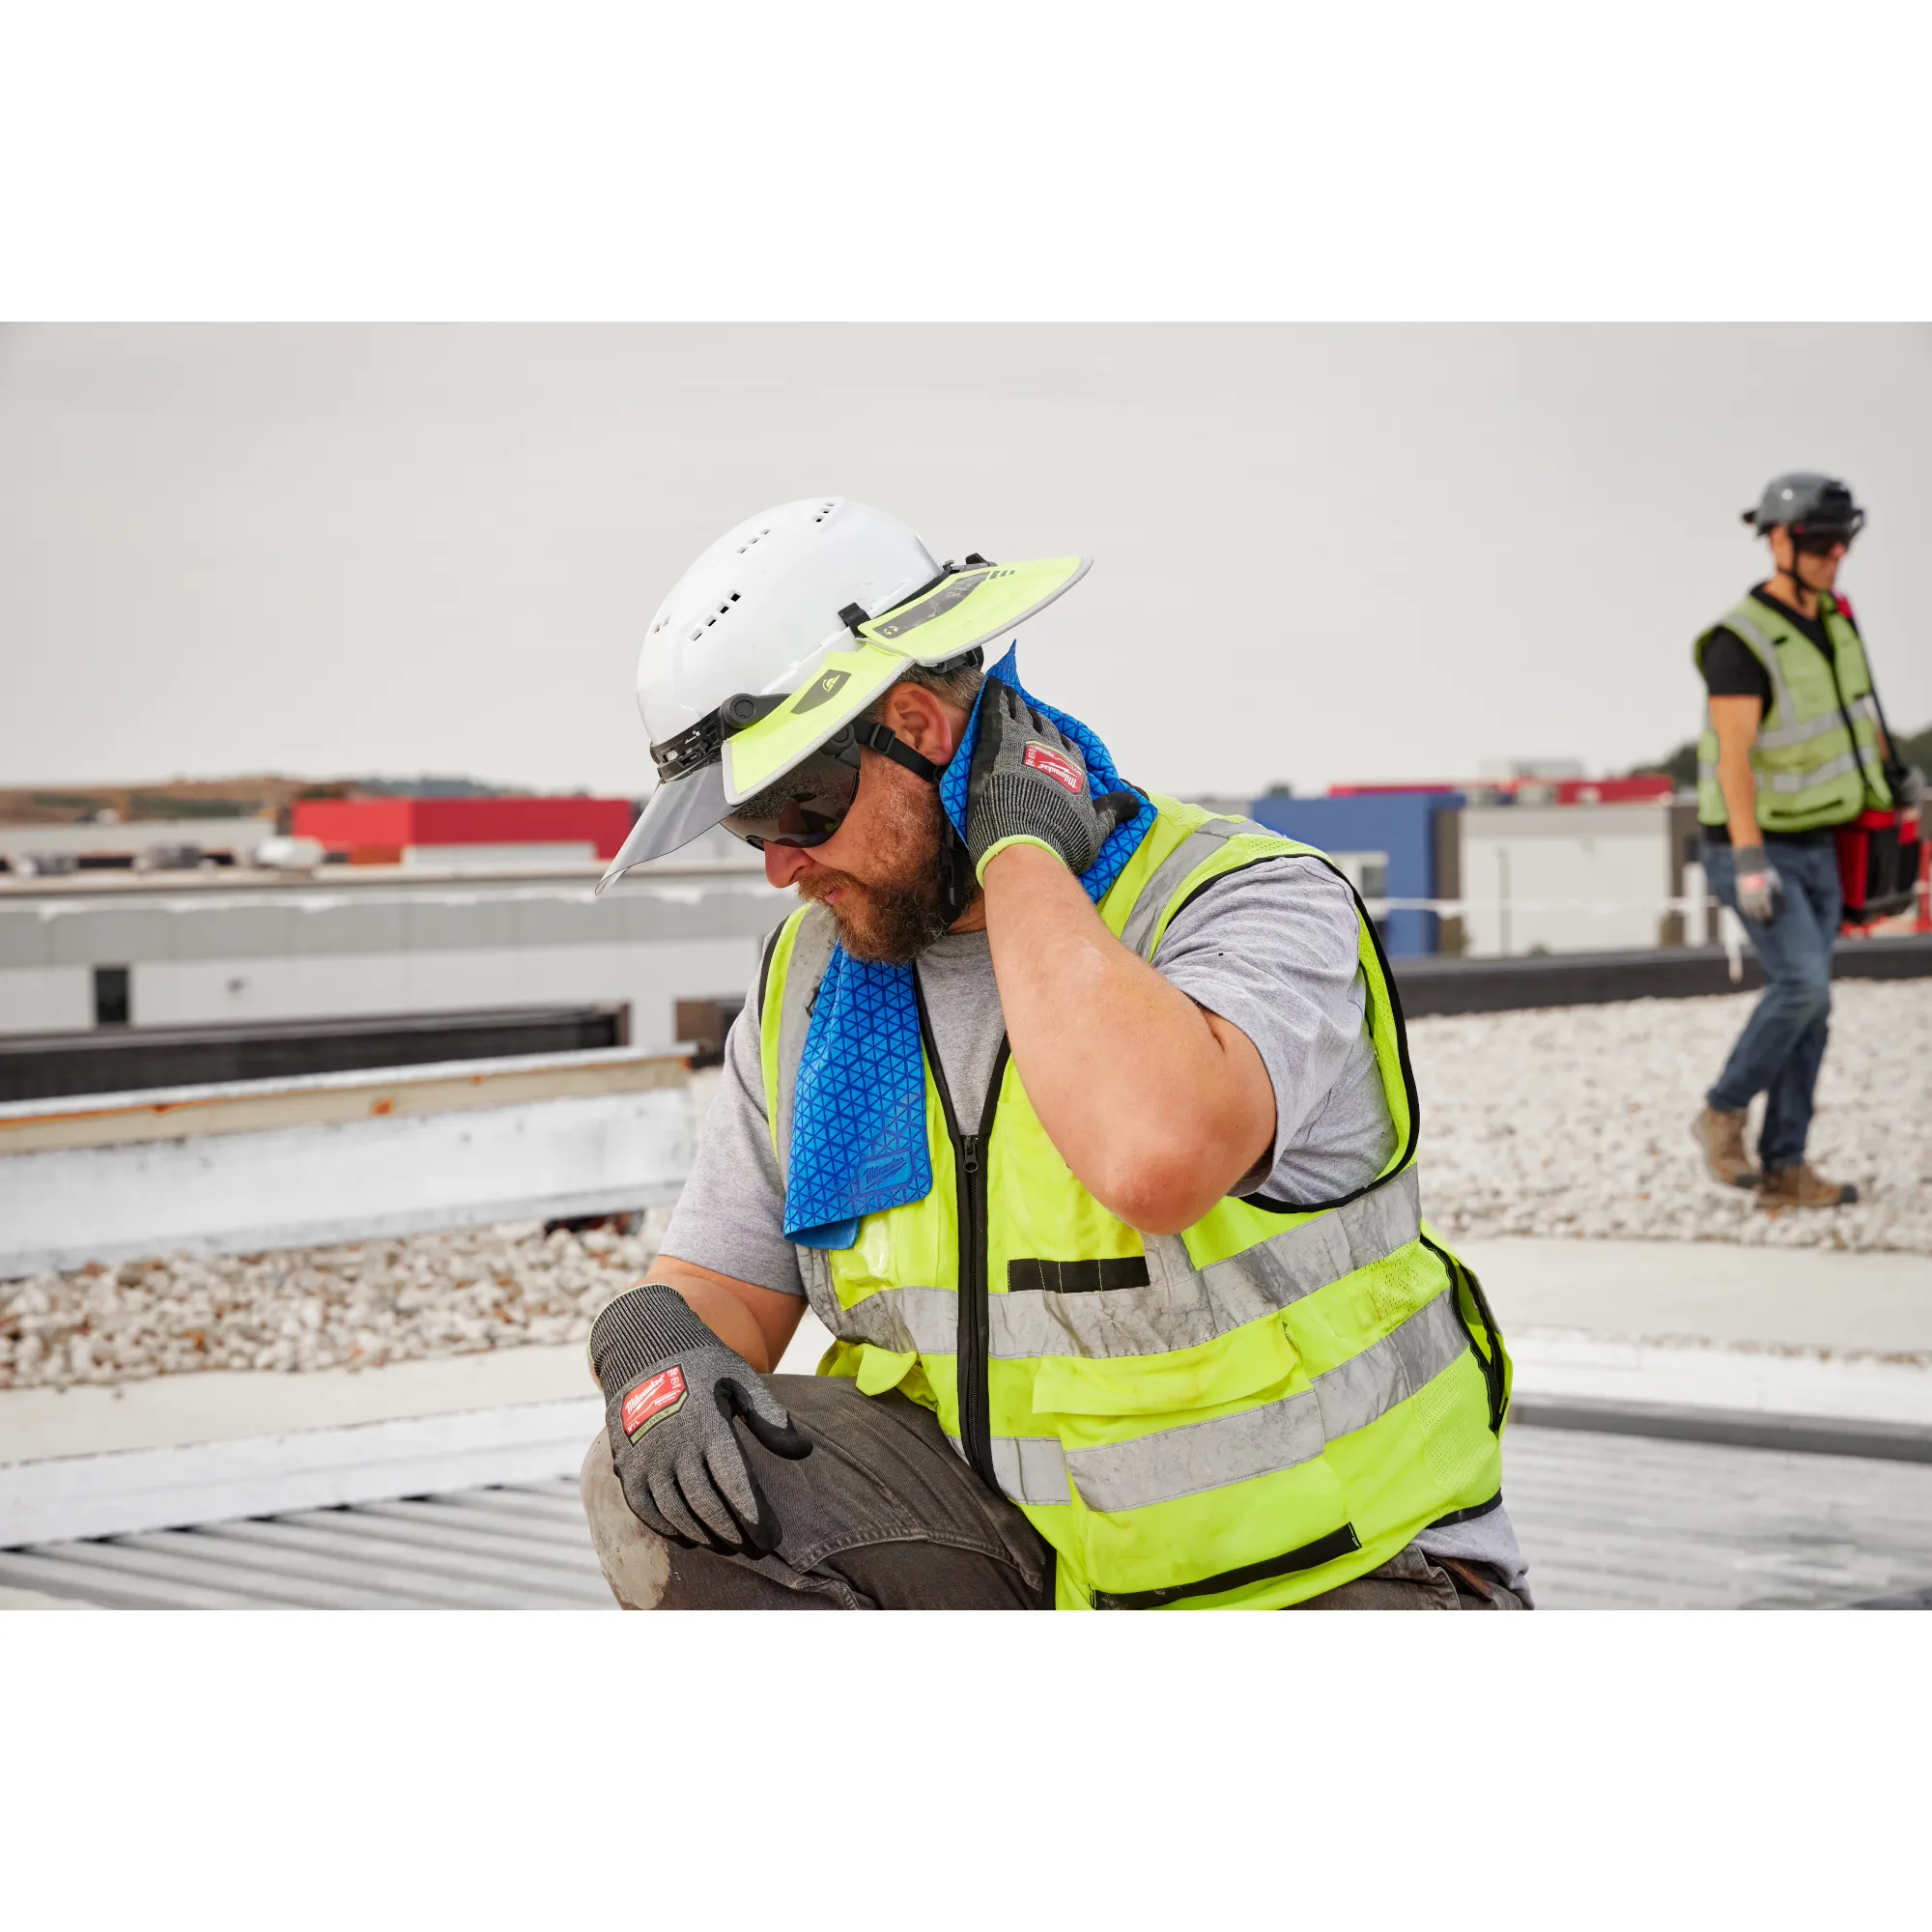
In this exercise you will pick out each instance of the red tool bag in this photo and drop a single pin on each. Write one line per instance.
(1878, 864)
(1878, 851)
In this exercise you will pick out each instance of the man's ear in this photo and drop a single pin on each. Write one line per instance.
(928, 723)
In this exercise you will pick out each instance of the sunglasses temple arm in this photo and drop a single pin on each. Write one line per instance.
(875, 737)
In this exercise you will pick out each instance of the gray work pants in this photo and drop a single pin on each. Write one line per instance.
(884, 1515)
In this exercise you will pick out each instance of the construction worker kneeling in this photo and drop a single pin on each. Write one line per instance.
(1083, 1119)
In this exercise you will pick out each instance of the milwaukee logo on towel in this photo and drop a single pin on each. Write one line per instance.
(652, 1400)
(1062, 770)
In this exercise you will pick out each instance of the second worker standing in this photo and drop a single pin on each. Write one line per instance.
(1793, 747)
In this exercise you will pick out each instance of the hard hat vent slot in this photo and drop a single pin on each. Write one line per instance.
(750, 541)
(825, 509)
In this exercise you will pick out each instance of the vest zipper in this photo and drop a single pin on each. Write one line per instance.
(975, 1429)
(969, 1167)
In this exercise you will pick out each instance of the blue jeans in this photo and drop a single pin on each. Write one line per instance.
(1782, 1045)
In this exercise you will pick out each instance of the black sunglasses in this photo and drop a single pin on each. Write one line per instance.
(1822, 543)
(804, 808)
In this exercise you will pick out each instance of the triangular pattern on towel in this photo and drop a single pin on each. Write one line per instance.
(858, 1136)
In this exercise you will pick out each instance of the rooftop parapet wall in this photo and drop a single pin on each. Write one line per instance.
(250, 1165)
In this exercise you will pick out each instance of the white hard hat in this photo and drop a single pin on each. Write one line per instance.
(815, 608)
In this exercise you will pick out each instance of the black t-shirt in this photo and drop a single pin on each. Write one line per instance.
(1733, 670)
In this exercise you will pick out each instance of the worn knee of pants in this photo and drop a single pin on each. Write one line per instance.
(882, 1514)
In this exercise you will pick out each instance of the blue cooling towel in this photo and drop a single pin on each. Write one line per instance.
(857, 1131)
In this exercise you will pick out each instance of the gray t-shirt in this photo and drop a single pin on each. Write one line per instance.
(1271, 950)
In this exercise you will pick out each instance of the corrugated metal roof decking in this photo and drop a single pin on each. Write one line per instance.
(1632, 1523)
(1607, 1522)
(520, 1547)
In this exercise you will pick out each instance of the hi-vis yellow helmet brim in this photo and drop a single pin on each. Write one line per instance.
(763, 651)
(964, 610)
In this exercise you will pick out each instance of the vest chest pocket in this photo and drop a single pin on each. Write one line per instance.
(1245, 1363)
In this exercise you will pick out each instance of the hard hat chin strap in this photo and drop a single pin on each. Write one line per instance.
(957, 883)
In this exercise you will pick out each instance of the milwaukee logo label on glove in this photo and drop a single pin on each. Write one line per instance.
(1062, 770)
(652, 1400)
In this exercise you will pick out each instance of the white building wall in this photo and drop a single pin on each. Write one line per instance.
(650, 978)
(1565, 878)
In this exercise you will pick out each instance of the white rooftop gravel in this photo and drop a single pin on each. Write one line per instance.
(360, 1305)
(1576, 1120)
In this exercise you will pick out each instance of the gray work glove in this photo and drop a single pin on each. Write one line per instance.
(1759, 887)
(1911, 788)
(1028, 785)
(671, 1389)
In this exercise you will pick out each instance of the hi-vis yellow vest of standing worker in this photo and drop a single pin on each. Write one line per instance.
(1239, 1416)
(1816, 758)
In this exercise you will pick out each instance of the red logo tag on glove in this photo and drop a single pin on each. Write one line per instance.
(652, 1400)
(1063, 771)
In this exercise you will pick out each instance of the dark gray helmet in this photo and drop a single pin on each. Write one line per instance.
(1805, 500)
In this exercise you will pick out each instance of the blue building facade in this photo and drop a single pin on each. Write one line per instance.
(1400, 825)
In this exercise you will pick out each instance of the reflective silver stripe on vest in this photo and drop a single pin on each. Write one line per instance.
(1767, 655)
(1369, 1384)
(810, 954)
(1794, 781)
(903, 1319)
(1802, 735)
(1030, 1469)
(1199, 1455)
(1789, 734)
(1179, 1308)
(1200, 845)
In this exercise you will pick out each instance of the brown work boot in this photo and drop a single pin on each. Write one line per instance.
(1722, 1136)
(1803, 1186)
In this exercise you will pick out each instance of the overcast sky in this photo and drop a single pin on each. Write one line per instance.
(1322, 552)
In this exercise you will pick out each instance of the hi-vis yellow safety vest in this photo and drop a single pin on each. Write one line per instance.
(1235, 1417)
(1816, 758)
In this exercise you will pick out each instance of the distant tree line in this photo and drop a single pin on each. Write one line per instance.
(1680, 766)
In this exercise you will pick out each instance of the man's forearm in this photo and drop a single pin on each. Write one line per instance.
(1740, 787)
(1734, 721)
(756, 1321)
(1156, 1106)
